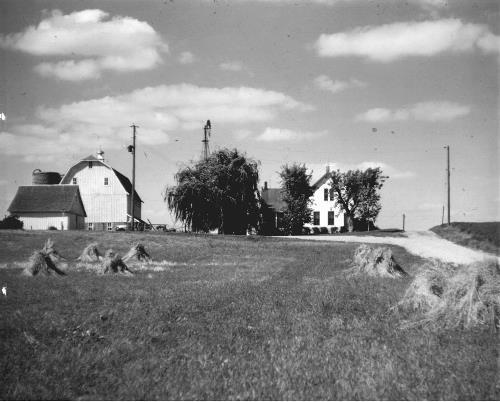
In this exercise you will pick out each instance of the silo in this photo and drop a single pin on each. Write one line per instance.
(40, 177)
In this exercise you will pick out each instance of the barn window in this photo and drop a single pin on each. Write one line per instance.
(110, 225)
(331, 217)
(331, 194)
(316, 218)
(106, 182)
(90, 226)
(325, 194)
(74, 180)
(90, 165)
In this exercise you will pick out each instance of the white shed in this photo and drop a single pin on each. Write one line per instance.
(49, 206)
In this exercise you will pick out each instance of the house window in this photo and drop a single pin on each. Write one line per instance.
(74, 180)
(90, 165)
(316, 218)
(110, 226)
(325, 195)
(90, 226)
(106, 182)
(331, 217)
(331, 194)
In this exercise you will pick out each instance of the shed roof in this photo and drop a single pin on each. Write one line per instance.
(48, 198)
(273, 198)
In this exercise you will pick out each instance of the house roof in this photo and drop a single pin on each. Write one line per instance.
(322, 180)
(273, 198)
(47, 198)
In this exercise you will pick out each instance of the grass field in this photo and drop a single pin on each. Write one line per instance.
(483, 236)
(225, 318)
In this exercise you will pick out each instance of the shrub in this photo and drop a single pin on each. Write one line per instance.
(334, 229)
(315, 230)
(323, 230)
(51, 228)
(11, 222)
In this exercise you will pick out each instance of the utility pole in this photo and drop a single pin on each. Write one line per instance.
(442, 217)
(131, 148)
(447, 147)
(206, 130)
(404, 217)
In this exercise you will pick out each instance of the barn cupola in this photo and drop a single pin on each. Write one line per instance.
(100, 155)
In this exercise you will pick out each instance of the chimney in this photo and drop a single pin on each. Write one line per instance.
(327, 169)
(265, 185)
(100, 155)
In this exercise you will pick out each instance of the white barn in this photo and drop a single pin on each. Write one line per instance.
(105, 192)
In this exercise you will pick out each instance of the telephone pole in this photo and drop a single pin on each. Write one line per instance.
(447, 147)
(131, 148)
(206, 130)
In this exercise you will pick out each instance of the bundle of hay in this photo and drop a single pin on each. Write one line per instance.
(112, 262)
(379, 262)
(450, 297)
(90, 254)
(139, 252)
(42, 261)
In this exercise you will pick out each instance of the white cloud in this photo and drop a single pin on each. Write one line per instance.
(187, 58)
(120, 44)
(271, 134)
(232, 66)
(318, 170)
(424, 111)
(325, 83)
(390, 42)
(70, 70)
(157, 110)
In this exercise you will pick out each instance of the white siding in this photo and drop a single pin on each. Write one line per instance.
(320, 205)
(42, 221)
(103, 203)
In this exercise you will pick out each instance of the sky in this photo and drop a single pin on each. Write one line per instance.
(345, 83)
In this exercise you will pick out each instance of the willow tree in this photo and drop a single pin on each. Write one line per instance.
(357, 193)
(220, 192)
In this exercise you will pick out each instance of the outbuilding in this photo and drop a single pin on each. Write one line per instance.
(49, 206)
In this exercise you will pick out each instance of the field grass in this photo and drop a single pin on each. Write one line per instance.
(484, 236)
(225, 318)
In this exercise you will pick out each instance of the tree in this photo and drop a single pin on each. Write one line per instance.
(217, 193)
(11, 222)
(296, 190)
(356, 193)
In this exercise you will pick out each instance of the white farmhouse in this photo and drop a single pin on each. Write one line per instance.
(325, 213)
(105, 192)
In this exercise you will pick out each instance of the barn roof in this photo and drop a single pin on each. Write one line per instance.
(48, 198)
(273, 198)
(126, 184)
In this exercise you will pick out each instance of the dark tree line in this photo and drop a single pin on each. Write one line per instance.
(222, 193)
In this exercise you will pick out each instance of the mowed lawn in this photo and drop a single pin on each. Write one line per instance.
(224, 317)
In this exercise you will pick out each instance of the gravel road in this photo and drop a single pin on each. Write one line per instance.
(423, 243)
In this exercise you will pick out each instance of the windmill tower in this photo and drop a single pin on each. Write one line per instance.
(206, 131)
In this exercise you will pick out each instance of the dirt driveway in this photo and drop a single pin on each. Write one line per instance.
(423, 243)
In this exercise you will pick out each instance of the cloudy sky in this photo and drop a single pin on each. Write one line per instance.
(349, 83)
